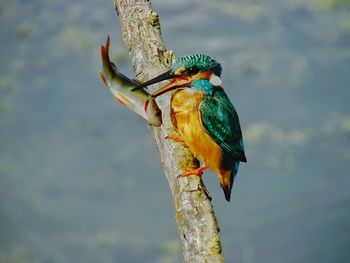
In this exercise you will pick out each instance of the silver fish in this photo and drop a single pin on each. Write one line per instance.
(121, 87)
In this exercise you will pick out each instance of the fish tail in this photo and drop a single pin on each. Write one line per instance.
(110, 69)
(105, 52)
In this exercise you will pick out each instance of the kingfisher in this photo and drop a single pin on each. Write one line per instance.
(203, 116)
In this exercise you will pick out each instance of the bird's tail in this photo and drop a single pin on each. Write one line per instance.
(227, 179)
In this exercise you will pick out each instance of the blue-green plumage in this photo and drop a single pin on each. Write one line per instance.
(221, 121)
(199, 61)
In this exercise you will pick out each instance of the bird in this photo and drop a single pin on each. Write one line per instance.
(203, 116)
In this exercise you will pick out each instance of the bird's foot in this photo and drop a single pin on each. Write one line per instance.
(175, 137)
(197, 172)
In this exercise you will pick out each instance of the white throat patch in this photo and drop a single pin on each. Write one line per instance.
(215, 80)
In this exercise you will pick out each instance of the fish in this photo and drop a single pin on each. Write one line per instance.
(121, 87)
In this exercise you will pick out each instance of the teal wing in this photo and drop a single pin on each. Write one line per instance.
(221, 121)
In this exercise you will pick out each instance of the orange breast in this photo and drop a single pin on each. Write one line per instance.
(186, 118)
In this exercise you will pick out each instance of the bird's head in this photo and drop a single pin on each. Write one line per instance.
(199, 72)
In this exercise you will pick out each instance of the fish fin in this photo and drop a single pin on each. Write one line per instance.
(120, 97)
(103, 77)
(120, 101)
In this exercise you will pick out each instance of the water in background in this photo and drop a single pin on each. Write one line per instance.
(80, 178)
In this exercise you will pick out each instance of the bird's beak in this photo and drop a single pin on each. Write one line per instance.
(177, 81)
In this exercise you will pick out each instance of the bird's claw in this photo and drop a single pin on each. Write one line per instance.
(198, 171)
(174, 137)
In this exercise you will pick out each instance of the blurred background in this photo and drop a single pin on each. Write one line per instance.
(80, 178)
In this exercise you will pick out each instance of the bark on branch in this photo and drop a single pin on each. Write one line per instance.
(196, 221)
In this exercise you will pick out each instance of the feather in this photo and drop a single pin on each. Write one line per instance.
(221, 121)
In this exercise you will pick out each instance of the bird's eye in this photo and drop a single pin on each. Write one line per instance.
(192, 70)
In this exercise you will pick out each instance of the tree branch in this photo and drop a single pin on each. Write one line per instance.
(196, 221)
